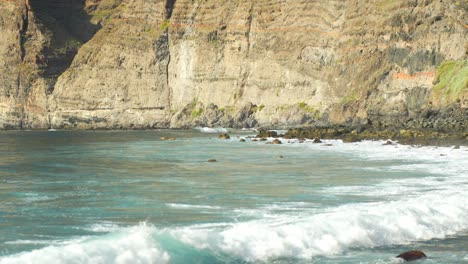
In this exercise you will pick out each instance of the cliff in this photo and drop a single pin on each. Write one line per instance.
(181, 63)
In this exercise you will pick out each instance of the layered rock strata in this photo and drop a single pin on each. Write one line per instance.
(93, 64)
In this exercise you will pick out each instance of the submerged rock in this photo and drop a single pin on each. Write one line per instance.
(242, 140)
(412, 255)
(212, 160)
(388, 143)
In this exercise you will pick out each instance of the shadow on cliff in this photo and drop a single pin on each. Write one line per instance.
(66, 26)
(169, 8)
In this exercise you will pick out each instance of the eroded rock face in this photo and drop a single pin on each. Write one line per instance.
(182, 63)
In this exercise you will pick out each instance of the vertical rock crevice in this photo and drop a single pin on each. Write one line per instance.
(163, 54)
(169, 8)
(23, 31)
(245, 74)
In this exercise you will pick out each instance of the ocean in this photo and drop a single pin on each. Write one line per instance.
(129, 197)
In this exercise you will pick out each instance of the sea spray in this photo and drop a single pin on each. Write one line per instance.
(364, 225)
(127, 246)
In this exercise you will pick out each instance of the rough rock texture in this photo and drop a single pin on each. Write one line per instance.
(182, 63)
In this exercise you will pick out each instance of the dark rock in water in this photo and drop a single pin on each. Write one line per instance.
(412, 255)
(276, 141)
(264, 133)
(280, 156)
(163, 138)
(242, 140)
(212, 160)
(456, 147)
(263, 139)
(224, 136)
(300, 141)
(388, 143)
(317, 140)
(328, 145)
(254, 140)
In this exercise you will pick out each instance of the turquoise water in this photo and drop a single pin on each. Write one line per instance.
(128, 197)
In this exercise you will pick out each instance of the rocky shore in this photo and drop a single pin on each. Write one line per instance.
(350, 134)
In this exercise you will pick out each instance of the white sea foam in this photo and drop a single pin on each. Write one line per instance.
(351, 226)
(35, 197)
(103, 227)
(192, 206)
(29, 242)
(361, 225)
(212, 130)
(132, 245)
(437, 207)
(423, 208)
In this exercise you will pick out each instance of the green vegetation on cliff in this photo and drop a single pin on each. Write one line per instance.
(451, 79)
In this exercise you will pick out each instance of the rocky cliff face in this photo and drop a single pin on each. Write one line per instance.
(181, 63)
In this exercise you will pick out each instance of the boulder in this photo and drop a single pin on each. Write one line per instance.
(224, 136)
(412, 255)
(276, 141)
(265, 133)
(242, 140)
(317, 140)
(212, 160)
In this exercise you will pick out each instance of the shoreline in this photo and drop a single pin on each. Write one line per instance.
(356, 134)
(348, 134)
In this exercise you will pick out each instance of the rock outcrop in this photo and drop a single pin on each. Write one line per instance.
(92, 64)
